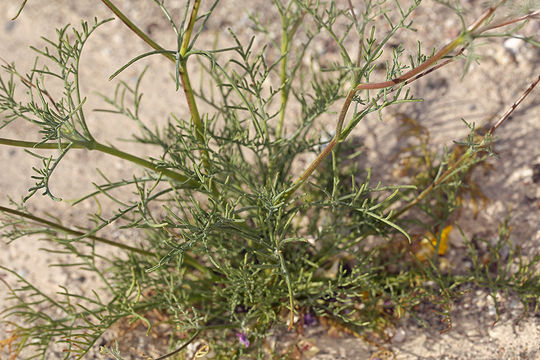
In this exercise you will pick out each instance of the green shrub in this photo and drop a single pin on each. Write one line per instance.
(235, 242)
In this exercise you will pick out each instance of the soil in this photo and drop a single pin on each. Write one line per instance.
(512, 185)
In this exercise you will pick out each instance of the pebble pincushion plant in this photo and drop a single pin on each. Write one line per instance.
(235, 241)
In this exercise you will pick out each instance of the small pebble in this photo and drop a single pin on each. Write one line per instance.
(10, 25)
(536, 173)
(513, 45)
(515, 304)
(400, 335)
(480, 303)
(520, 174)
(491, 306)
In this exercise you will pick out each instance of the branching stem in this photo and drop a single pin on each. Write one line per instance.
(186, 181)
(463, 39)
(186, 84)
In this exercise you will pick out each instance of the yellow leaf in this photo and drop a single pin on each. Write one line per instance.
(428, 244)
(443, 246)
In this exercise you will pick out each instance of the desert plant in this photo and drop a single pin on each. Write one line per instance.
(235, 243)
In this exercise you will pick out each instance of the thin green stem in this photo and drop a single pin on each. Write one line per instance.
(195, 117)
(181, 347)
(145, 163)
(357, 74)
(289, 288)
(286, 39)
(186, 181)
(37, 145)
(188, 90)
(284, 80)
(136, 29)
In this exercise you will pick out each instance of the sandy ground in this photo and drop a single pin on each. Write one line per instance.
(504, 73)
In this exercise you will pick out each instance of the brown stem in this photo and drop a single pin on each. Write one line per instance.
(408, 77)
(484, 16)
(423, 69)
(428, 63)
(511, 21)
(511, 109)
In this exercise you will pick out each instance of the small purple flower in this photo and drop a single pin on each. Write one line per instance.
(309, 319)
(243, 339)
